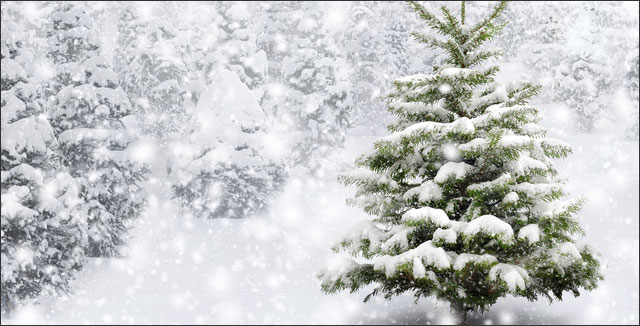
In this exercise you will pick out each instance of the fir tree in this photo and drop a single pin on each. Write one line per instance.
(376, 54)
(468, 205)
(70, 40)
(238, 51)
(86, 116)
(43, 233)
(582, 83)
(364, 49)
(542, 48)
(308, 96)
(148, 62)
(132, 71)
(631, 86)
(227, 171)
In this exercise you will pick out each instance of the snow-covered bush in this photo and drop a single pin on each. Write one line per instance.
(468, 205)
(227, 172)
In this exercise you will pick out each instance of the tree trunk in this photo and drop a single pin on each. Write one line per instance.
(460, 312)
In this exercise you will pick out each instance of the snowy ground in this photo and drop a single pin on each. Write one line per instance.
(262, 269)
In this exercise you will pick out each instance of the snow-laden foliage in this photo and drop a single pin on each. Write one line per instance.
(239, 52)
(632, 90)
(564, 46)
(152, 74)
(43, 232)
(226, 171)
(468, 205)
(71, 40)
(308, 94)
(581, 83)
(375, 46)
(318, 72)
(86, 115)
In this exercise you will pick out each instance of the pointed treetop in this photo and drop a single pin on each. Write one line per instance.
(461, 40)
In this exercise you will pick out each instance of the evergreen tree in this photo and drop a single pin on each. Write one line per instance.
(71, 40)
(537, 37)
(148, 62)
(229, 173)
(43, 233)
(631, 86)
(398, 51)
(582, 83)
(86, 116)
(468, 205)
(543, 37)
(321, 103)
(376, 49)
(238, 51)
(132, 73)
(274, 17)
(582, 76)
(364, 48)
(308, 95)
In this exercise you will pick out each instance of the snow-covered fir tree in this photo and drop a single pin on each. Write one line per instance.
(226, 169)
(468, 205)
(319, 93)
(363, 45)
(582, 83)
(562, 47)
(538, 39)
(376, 48)
(270, 26)
(238, 51)
(398, 52)
(308, 94)
(43, 233)
(148, 62)
(86, 115)
(70, 40)
(132, 73)
(631, 87)
(228, 40)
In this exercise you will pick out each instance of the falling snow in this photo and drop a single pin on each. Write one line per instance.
(178, 162)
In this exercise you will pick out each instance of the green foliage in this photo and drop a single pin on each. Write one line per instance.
(464, 190)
